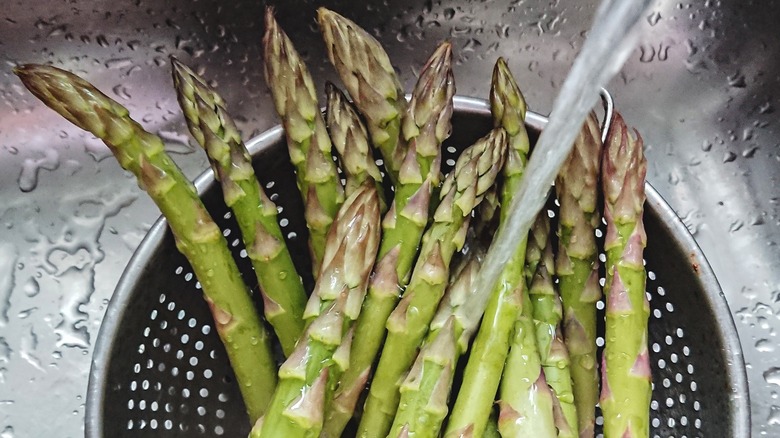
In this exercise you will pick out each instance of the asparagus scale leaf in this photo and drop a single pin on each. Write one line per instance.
(280, 285)
(197, 236)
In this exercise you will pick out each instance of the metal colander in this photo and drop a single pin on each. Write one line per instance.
(160, 370)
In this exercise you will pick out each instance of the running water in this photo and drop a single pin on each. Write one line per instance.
(609, 42)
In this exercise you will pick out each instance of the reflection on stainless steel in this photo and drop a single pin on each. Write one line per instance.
(703, 87)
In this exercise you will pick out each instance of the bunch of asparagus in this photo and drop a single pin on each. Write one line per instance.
(395, 304)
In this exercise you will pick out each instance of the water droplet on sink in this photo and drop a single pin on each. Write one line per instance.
(765, 346)
(102, 40)
(28, 177)
(175, 142)
(120, 90)
(5, 351)
(654, 18)
(772, 376)
(737, 80)
(774, 416)
(8, 256)
(729, 157)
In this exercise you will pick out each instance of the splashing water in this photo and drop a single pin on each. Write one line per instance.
(609, 43)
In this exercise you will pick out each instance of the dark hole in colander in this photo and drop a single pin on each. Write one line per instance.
(160, 369)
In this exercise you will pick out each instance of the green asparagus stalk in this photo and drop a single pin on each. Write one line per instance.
(462, 308)
(426, 125)
(491, 345)
(197, 236)
(308, 376)
(462, 190)
(295, 100)
(577, 267)
(547, 315)
(350, 138)
(491, 431)
(371, 81)
(280, 285)
(426, 389)
(526, 402)
(626, 378)
(349, 254)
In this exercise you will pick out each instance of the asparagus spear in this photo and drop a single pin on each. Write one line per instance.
(307, 377)
(349, 254)
(463, 189)
(426, 125)
(526, 403)
(426, 389)
(547, 314)
(626, 378)
(197, 236)
(491, 431)
(350, 138)
(577, 267)
(370, 79)
(491, 346)
(307, 138)
(282, 289)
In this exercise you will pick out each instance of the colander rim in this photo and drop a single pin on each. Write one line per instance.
(736, 371)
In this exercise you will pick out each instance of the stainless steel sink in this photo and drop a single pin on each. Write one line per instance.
(703, 87)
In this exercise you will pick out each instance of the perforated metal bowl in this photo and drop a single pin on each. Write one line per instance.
(160, 370)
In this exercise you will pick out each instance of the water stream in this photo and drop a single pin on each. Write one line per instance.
(609, 43)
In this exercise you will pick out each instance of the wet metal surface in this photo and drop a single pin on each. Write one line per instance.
(702, 87)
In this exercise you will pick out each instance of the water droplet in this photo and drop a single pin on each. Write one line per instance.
(654, 18)
(5, 351)
(772, 376)
(706, 146)
(774, 416)
(766, 108)
(765, 346)
(120, 90)
(176, 143)
(26, 313)
(27, 346)
(646, 53)
(749, 152)
(8, 255)
(737, 80)
(282, 275)
(747, 134)
(8, 432)
(28, 177)
(472, 45)
(102, 41)
(729, 157)
(118, 63)
(449, 13)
